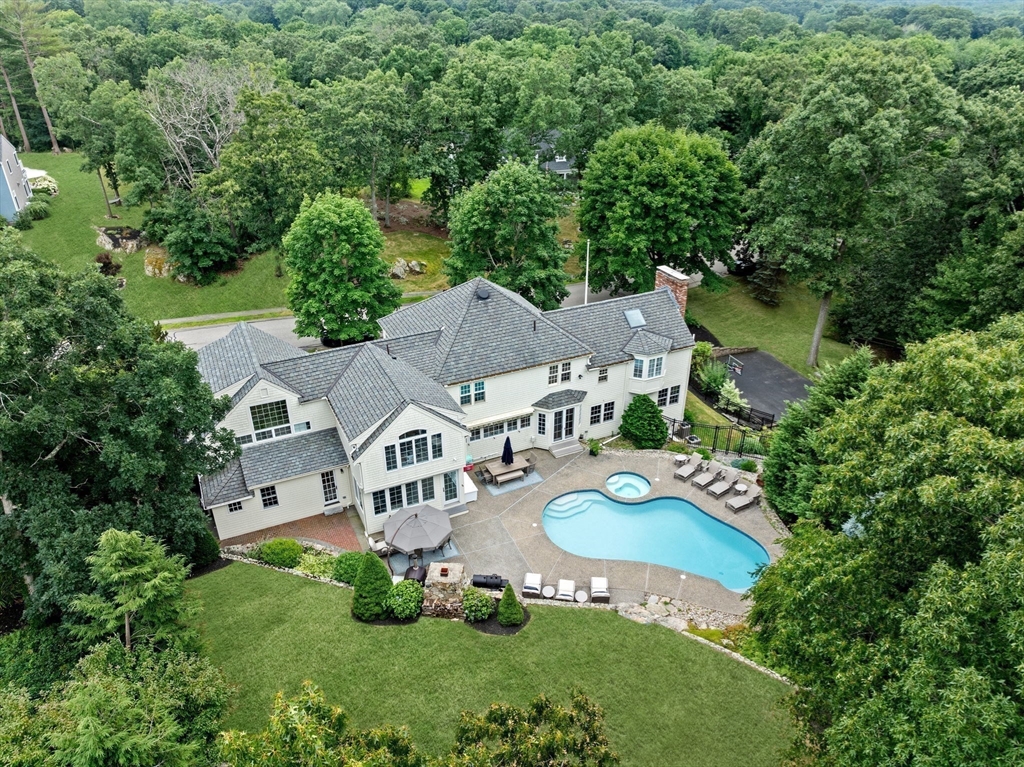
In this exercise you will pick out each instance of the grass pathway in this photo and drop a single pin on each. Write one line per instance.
(668, 700)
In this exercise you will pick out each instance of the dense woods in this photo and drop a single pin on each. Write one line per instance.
(878, 145)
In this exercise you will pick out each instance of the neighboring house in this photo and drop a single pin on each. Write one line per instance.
(392, 423)
(15, 191)
(562, 165)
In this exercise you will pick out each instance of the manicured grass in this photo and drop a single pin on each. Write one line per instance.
(668, 700)
(702, 413)
(420, 247)
(417, 187)
(67, 238)
(737, 319)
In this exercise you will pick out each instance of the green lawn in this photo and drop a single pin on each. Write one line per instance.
(702, 413)
(417, 187)
(737, 319)
(668, 700)
(421, 247)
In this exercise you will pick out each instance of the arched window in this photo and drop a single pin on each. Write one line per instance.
(413, 433)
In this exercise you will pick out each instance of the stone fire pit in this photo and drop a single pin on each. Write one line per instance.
(442, 594)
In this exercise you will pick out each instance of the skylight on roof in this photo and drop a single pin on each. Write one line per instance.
(635, 318)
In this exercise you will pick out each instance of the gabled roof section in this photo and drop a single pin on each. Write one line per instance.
(239, 354)
(267, 462)
(645, 343)
(482, 330)
(225, 486)
(374, 384)
(560, 399)
(604, 328)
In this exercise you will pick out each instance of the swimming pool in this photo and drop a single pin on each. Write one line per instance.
(662, 531)
(628, 484)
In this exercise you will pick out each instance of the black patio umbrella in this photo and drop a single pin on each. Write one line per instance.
(506, 453)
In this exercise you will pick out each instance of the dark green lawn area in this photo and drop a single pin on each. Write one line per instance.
(737, 319)
(668, 700)
(420, 247)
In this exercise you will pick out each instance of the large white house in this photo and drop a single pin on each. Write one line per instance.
(393, 423)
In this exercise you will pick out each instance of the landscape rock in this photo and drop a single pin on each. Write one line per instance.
(399, 269)
(121, 238)
(417, 267)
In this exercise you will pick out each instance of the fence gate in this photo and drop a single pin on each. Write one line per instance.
(721, 439)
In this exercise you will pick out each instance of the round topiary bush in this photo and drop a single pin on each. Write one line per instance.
(510, 612)
(206, 551)
(643, 425)
(372, 586)
(405, 600)
(346, 566)
(476, 605)
(280, 552)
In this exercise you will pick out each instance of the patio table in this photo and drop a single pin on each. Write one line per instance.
(548, 592)
(581, 596)
(498, 469)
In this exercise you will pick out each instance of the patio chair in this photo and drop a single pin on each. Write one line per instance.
(721, 487)
(488, 477)
(692, 465)
(532, 585)
(740, 502)
(380, 548)
(714, 468)
(599, 591)
(531, 464)
(566, 591)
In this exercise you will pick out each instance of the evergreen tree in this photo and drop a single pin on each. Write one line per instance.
(510, 610)
(643, 425)
(340, 285)
(372, 586)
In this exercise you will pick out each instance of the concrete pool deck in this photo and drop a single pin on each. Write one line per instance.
(504, 534)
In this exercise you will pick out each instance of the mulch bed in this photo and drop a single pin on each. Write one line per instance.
(703, 334)
(217, 564)
(491, 625)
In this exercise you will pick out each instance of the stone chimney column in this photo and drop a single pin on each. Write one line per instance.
(677, 282)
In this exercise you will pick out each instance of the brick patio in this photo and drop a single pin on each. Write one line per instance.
(335, 530)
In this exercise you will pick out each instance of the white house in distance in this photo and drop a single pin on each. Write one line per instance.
(14, 191)
(393, 423)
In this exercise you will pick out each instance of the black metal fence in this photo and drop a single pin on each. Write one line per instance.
(752, 417)
(739, 440)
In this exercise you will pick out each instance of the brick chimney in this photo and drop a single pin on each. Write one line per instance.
(677, 282)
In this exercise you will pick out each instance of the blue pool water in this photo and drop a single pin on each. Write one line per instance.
(662, 531)
(627, 484)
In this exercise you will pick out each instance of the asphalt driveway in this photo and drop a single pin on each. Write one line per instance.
(767, 384)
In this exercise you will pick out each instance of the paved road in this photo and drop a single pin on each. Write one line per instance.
(768, 384)
(284, 327)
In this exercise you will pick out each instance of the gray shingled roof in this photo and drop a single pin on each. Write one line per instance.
(225, 486)
(267, 462)
(560, 399)
(239, 355)
(481, 337)
(646, 343)
(603, 326)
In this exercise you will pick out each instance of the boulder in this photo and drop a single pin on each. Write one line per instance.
(417, 267)
(399, 269)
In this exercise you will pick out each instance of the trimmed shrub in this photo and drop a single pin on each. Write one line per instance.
(477, 605)
(346, 566)
(206, 551)
(280, 552)
(704, 453)
(745, 464)
(712, 376)
(510, 612)
(700, 355)
(405, 600)
(372, 586)
(38, 208)
(643, 425)
(316, 563)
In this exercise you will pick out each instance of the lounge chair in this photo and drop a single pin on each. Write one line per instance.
(714, 468)
(720, 488)
(532, 585)
(692, 466)
(599, 590)
(380, 548)
(740, 502)
(566, 591)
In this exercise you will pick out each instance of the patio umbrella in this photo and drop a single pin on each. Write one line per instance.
(417, 527)
(506, 454)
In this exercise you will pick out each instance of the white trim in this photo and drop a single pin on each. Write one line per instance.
(500, 417)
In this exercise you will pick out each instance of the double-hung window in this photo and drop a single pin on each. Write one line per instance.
(412, 493)
(269, 496)
(524, 422)
(602, 375)
(638, 368)
(673, 395)
(494, 429)
(474, 435)
(234, 506)
(566, 371)
(654, 366)
(451, 487)
(427, 489)
(542, 423)
(270, 419)
(609, 411)
(595, 415)
(479, 395)
(662, 397)
(465, 394)
(390, 457)
(380, 502)
(395, 497)
(552, 375)
(330, 487)
(512, 425)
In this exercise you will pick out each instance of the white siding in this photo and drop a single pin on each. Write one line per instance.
(298, 498)
(317, 412)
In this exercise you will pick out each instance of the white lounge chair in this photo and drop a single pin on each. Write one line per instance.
(566, 591)
(740, 502)
(380, 548)
(692, 466)
(710, 474)
(721, 487)
(532, 585)
(599, 591)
